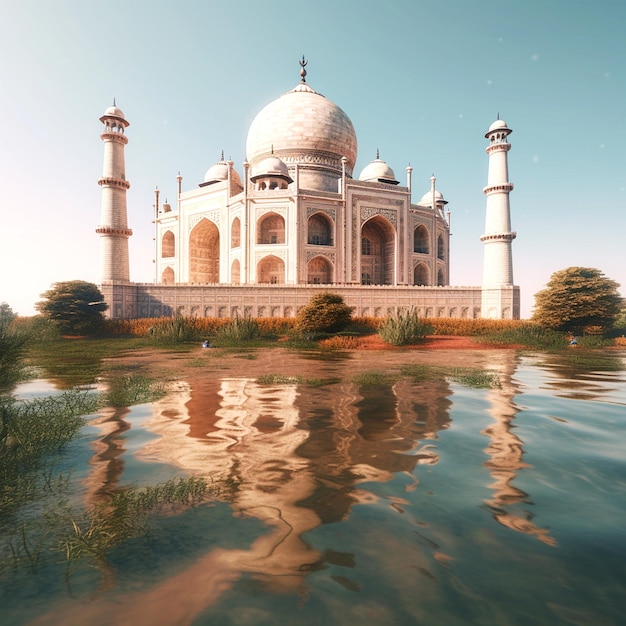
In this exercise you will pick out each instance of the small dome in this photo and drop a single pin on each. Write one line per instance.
(271, 166)
(219, 173)
(116, 112)
(498, 125)
(378, 172)
(427, 199)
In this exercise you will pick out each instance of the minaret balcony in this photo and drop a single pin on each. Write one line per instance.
(114, 182)
(502, 188)
(117, 137)
(506, 237)
(109, 230)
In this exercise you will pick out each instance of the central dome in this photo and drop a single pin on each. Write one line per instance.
(305, 128)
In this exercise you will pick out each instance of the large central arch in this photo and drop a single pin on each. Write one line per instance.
(204, 253)
(378, 256)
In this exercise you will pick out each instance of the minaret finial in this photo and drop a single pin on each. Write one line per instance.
(303, 63)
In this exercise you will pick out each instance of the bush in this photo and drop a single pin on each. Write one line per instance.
(404, 328)
(326, 312)
(12, 347)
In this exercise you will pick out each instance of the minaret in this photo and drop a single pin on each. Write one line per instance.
(498, 258)
(113, 229)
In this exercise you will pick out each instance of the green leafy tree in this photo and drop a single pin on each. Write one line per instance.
(578, 298)
(75, 306)
(326, 312)
(12, 346)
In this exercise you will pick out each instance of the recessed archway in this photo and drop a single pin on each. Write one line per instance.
(319, 230)
(167, 277)
(271, 229)
(420, 275)
(271, 269)
(168, 245)
(378, 251)
(319, 271)
(204, 253)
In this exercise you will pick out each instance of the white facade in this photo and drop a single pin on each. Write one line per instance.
(113, 229)
(294, 217)
(498, 257)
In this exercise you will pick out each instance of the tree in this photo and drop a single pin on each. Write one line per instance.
(12, 346)
(75, 306)
(326, 312)
(578, 298)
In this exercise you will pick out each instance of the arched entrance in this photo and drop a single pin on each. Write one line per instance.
(377, 252)
(167, 277)
(319, 230)
(420, 274)
(319, 271)
(204, 253)
(271, 270)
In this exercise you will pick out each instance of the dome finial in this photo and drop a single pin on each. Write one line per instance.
(222, 156)
(303, 63)
(377, 154)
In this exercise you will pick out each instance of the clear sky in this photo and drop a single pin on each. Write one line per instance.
(421, 81)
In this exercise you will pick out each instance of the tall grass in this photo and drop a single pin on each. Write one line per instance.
(404, 328)
(238, 331)
(32, 433)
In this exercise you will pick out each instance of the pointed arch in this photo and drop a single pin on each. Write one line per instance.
(235, 277)
(271, 229)
(320, 230)
(421, 238)
(167, 276)
(441, 252)
(271, 269)
(235, 233)
(168, 245)
(421, 275)
(204, 253)
(319, 271)
(440, 278)
(378, 238)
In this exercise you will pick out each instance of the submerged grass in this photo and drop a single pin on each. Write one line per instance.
(468, 376)
(281, 379)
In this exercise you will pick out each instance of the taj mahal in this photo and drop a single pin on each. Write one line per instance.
(295, 221)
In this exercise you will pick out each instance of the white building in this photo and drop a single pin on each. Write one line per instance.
(297, 221)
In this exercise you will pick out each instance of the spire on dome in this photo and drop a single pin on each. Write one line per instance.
(377, 154)
(303, 64)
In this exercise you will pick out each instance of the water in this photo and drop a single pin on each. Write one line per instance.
(428, 503)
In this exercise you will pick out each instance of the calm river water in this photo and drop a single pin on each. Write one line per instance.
(422, 503)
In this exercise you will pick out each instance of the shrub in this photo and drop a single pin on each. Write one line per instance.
(326, 312)
(14, 336)
(404, 328)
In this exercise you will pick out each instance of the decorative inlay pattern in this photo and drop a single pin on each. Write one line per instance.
(311, 254)
(260, 212)
(330, 212)
(212, 216)
(389, 214)
(281, 254)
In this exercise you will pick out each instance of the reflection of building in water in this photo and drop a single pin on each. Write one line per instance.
(248, 433)
(505, 450)
(107, 463)
(297, 455)
(366, 437)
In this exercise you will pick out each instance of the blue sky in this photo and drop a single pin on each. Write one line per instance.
(421, 82)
